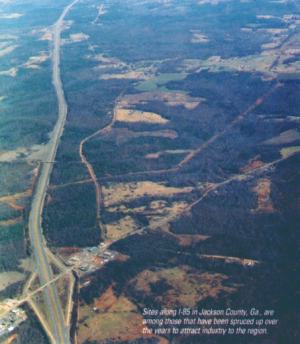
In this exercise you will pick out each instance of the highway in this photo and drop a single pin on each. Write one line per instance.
(57, 324)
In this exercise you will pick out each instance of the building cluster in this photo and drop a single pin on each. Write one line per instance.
(10, 320)
(90, 259)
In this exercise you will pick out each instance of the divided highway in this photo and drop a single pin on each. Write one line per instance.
(57, 325)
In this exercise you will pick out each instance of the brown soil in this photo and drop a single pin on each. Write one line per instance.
(66, 251)
(189, 239)
(252, 165)
(132, 116)
(113, 318)
(186, 286)
(170, 98)
(120, 192)
(11, 339)
(263, 191)
(119, 228)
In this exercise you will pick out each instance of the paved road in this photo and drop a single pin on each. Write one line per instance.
(55, 313)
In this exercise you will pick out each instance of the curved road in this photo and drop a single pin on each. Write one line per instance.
(60, 330)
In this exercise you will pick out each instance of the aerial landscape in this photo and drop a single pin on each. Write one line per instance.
(150, 171)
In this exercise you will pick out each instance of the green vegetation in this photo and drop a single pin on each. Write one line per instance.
(159, 83)
(14, 232)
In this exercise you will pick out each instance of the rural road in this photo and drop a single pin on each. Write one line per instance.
(52, 301)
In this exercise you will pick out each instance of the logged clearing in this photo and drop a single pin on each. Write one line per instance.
(13, 15)
(123, 135)
(288, 151)
(76, 38)
(34, 62)
(12, 72)
(134, 75)
(261, 63)
(7, 37)
(127, 115)
(169, 98)
(229, 260)
(158, 213)
(7, 50)
(115, 193)
(26, 264)
(288, 136)
(270, 61)
(198, 37)
(263, 191)
(252, 165)
(211, 2)
(108, 301)
(11, 222)
(12, 200)
(12, 339)
(9, 278)
(113, 68)
(157, 155)
(63, 286)
(47, 36)
(107, 62)
(114, 318)
(33, 152)
(123, 209)
(118, 229)
(162, 211)
(190, 239)
(184, 286)
(9, 156)
(158, 82)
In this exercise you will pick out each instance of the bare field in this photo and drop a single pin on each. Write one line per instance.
(169, 98)
(113, 318)
(9, 278)
(184, 287)
(125, 115)
(118, 229)
(263, 191)
(122, 192)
